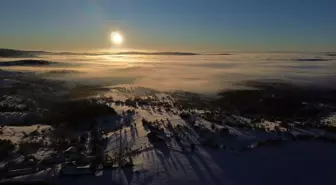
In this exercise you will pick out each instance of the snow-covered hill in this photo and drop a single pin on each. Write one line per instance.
(267, 154)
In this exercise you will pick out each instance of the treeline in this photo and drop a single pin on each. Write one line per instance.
(75, 113)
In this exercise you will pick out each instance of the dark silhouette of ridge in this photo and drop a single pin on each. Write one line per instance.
(12, 53)
(155, 53)
(310, 59)
(26, 63)
(219, 54)
(331, 54)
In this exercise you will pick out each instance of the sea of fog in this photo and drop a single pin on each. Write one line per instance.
(195, 73)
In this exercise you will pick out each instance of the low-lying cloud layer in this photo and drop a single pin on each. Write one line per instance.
(198, 73)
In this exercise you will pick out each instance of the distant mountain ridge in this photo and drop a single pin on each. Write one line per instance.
(155, 53)
(13, 53)
(28, 62)
(127, 53)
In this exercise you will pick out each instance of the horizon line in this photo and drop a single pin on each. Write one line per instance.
(142, 51)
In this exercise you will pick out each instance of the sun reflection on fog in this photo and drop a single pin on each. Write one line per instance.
(193, 73)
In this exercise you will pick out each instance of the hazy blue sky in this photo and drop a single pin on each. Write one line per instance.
(202, 25)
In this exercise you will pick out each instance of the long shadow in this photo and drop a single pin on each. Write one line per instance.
(159, 145)
(128, 172)
(151, 155)
(194, 165)
(208, 169)
(179, 163)
(125, 139)
(196, 168)
(227, 167)
(133, 132)
(163, 148)
(173, 163)
(169, 163)
(147, 154)
(162, 160)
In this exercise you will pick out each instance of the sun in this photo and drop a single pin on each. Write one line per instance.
(116, 38)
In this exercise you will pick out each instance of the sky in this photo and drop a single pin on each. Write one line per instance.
(169, 25)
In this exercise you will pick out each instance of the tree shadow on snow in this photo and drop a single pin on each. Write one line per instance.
(163, 163)
(133, 132)
(193, 163)
(176, 158)
(208, 169)
(128, 172)
(159, 145)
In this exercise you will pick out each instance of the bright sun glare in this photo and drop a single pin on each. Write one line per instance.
(116, 38)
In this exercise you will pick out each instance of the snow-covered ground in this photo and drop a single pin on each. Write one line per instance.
(299, 162)
(330, 120)
(238, 160)
(17, 133)
(295, 163)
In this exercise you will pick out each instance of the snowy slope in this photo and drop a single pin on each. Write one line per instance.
(293, 162)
